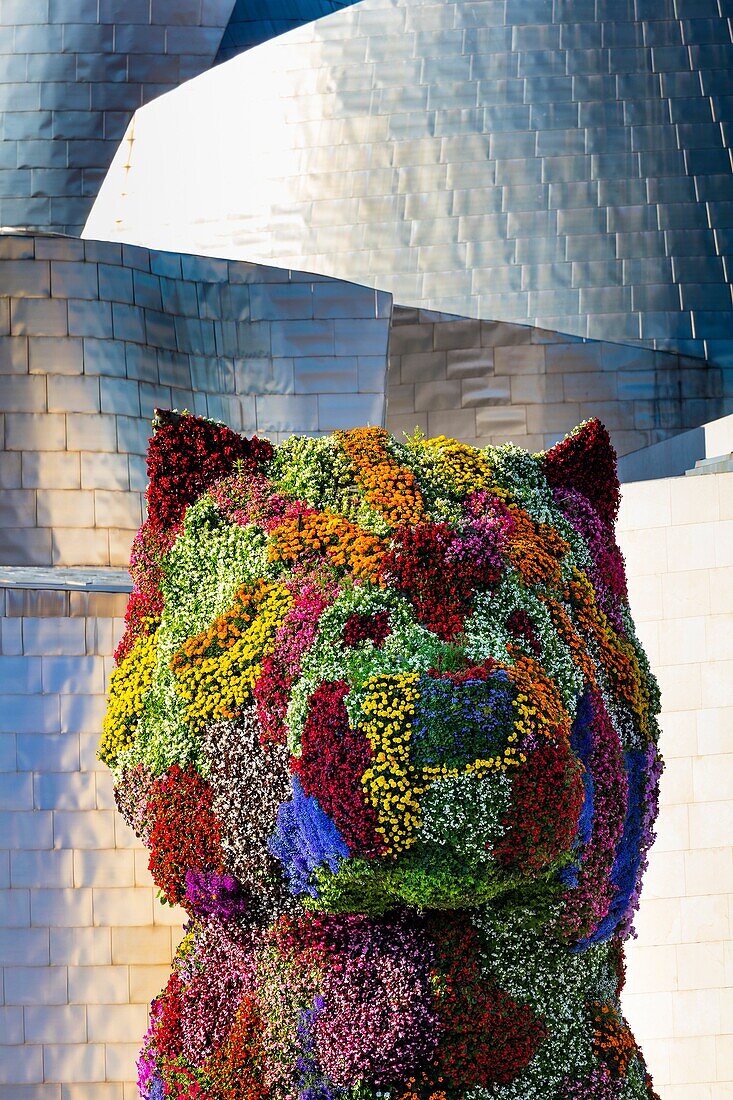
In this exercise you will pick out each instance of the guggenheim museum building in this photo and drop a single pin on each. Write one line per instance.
(527, 205)
(489, 219)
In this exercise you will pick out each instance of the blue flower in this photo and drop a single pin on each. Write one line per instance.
(306, 838)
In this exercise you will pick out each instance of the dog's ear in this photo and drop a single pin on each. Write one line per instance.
(186, 455)
(586, 461)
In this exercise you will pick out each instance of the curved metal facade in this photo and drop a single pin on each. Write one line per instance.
(255, 21)
(563, 164)
(71, 74)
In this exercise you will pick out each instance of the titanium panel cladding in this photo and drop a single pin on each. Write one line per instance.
(72, 72)
(255, 21)
(565, 165)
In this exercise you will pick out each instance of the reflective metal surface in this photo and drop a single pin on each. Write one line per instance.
(562, 164)
(71, 74)
(94, 336)
(255, 21)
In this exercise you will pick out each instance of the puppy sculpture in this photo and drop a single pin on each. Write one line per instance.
(381, 717)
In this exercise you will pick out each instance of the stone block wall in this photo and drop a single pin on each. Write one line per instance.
(94, 336)
(488, 381)
(84, 945)
(677, 536)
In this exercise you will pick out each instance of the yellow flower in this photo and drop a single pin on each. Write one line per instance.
(216, 671)
(464, 467)
(390, 784)
(129, 684)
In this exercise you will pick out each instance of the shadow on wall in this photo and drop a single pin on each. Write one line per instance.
(488, 381)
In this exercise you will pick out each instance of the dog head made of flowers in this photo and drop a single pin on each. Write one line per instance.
(359, 675)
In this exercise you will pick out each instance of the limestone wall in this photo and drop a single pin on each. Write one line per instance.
(94, 336)
(677, 535)
(84, 946)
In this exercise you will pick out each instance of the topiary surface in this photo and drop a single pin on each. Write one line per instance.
(381, 716)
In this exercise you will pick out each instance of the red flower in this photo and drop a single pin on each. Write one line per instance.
(361, 628)
(547, 797)
(187, 454)
(141, 617)
(440, 583)
(585, 460)
(169, 1028)
(520, 626)
(333, 760)
(487, 1038)
(237, 1068)
(184, 831)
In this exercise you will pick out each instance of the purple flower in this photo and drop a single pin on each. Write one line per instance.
(149, 1082)
(220, 897)
(607, 571)
(220, 973)
(646, 835)
(156, 1089)
(600, 1085)
(486, 526)
(588, 903)
(377, 1021)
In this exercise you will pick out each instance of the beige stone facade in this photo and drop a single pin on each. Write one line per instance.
(84, 945)
(677, 535)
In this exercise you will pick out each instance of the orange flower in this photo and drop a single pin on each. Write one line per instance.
(616, 654)
(345, 544)
(538, 704)
(535, 550)
(578, 651)
(613, 1042)
(390, 488)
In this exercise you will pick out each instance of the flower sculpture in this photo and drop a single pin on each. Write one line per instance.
(381, 717)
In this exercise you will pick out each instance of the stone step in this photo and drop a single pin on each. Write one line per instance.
(721, 464)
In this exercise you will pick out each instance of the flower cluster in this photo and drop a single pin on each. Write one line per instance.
(381, 717)
(585, 462)
(440, 571)
(248, 780)
(389, 487)
(489, 1037)
(312, 535)
(216, 671)
(536, 550)
(279, 671)
(184, 833)
(333, 765)
(390, 779)
(613, 1042)
(598, 1085)
(186, 455)
(129, 685)
(464, 468)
